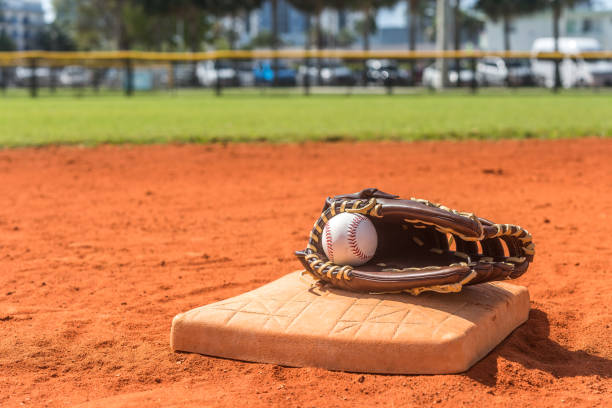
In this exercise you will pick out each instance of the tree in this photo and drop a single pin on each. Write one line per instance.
(6, 42)
(275, 43)
(457, 38)
(416, 9)
(345, 38)
(506, 10)
(557, 7)
(263, 39)
(244, 7)
(137, 24)
(413, 22)
(53, 38)
(366, 27)
(231, 9)
(96, 24)
(312, 9)
(192, 24)
(370, 8)
(192, 18)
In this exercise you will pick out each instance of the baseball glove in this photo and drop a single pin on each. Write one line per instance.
(421, 246)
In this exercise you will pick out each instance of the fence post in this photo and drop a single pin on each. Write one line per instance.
(457, 64)
(364, 72)
(53, 79)
(129, 80)
(508, 81)
(171, 70)
(218, 85)
(33, 78)
(4, 83)
(307, 76)
(474, 84)
(557, 76)
(96, 78)
(388, 82)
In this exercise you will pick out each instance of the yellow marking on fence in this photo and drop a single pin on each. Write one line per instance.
(16, 56)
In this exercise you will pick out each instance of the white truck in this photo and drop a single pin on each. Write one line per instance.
(574, 70)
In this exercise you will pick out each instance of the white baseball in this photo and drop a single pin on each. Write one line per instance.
(349, 239)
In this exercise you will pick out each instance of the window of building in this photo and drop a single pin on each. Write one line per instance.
(592, 25)
(570, 27)
(587, 25)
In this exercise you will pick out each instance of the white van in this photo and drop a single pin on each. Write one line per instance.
(574, 70)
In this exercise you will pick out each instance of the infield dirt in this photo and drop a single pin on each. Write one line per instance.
(101, 247)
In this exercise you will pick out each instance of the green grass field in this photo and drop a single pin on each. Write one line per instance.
(190, 116)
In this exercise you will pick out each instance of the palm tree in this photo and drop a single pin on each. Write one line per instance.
(314, 8)
(557, 8)
(275, 42)
(231, 9)
(370, 9)
(413, 21)
(416, 8)
(457, 37)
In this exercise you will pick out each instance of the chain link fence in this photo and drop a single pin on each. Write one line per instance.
(306, 70)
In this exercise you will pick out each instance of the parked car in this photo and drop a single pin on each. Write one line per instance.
(75, 76)
(246, 76)
(386, 72)
(502, 72)
(432, 77)
(331, 73)
(573, 69)
(143, 79)
(6, 75)
(228, 73)
(185, 75)
(264, 74)
(23, 76)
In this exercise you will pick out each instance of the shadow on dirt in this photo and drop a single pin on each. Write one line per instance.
(530, 346)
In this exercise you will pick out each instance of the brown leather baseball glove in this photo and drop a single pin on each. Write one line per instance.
(421, 246)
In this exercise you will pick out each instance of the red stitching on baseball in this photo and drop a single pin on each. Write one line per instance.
(328, 241)
(352, 237)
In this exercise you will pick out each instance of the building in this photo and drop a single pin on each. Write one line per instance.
(21, 20)
(293, 24)
(393, 29)
(577, 22)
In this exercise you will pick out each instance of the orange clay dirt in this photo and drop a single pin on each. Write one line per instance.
(101, 247)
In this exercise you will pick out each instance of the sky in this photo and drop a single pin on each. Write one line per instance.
(49, 14)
